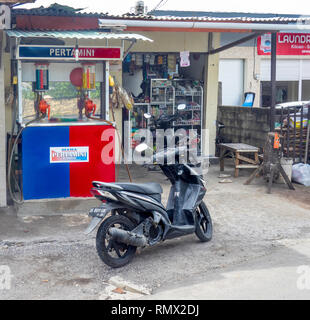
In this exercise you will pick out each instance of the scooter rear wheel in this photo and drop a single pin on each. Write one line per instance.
(111, 252)
(204, 228)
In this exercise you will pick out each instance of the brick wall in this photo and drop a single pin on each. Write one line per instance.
(244, 124)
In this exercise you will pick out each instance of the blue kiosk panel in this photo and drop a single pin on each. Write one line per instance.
(41, 179)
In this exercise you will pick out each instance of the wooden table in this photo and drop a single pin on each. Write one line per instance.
(240, 152)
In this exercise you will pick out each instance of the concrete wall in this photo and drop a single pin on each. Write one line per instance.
(244, 124)
(173, 42)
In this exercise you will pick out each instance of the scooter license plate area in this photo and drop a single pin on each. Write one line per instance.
(98, 212)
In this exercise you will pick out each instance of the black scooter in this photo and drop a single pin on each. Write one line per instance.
(132, 214)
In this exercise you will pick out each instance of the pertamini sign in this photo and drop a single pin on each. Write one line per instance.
(68, 53)
(69, 154)
(287, 44)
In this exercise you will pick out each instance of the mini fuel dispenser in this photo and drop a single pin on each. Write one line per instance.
(84, 79)
(41, 85)
(63, 149)
(89, 84)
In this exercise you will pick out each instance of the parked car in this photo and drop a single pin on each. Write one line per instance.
(288, 107)
(292, 112)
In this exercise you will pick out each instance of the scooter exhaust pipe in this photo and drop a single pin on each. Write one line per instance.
(127, 237)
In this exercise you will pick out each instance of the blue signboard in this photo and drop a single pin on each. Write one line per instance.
(46, 52)
(64, 53)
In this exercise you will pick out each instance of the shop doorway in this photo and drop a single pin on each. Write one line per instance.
(159, 82)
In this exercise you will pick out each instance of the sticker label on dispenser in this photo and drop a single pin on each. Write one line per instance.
(69, 154)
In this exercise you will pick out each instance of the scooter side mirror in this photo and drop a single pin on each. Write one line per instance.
(142, 147)
(181, 106)
(147, 115)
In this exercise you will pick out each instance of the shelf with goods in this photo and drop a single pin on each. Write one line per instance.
(162, 97)
(189, 92)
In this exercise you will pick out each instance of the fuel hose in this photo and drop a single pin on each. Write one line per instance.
(11, 155)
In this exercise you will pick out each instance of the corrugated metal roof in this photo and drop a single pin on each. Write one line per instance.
(85, 34)
(165, 15)
(221, 14)
(275, 19)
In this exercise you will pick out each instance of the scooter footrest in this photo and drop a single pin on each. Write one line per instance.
(185, 229)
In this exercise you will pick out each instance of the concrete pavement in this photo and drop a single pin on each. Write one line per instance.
(256, 238)
(283, 275)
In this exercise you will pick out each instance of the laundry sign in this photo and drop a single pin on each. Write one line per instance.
(287, 44)
(69, 154)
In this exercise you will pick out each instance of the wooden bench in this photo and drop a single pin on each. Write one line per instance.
(240, 152)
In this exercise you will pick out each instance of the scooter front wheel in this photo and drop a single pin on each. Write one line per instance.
(111, 252)
(204, 228)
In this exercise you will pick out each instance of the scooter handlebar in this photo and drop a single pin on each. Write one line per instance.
(164, 120)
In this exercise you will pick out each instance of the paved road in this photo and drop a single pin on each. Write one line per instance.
(256, 236)
(283, 275)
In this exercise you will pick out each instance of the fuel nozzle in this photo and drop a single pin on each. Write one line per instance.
(44, 108)
(90, 107)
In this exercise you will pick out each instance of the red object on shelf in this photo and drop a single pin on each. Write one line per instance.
(76, 77)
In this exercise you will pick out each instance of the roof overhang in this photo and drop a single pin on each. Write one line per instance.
(202, 26)
(83, 34)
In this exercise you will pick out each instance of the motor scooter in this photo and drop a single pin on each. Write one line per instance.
(132, 215)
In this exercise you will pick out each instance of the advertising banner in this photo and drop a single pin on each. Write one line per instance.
(287, 44)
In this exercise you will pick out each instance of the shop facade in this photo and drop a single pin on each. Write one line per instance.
(250, 63)
(178, 64)
(172, 70)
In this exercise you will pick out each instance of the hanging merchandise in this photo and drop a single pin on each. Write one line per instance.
(139, 59)
(89, 76)
(184, 55)
(147, 58)
(130, 57)
(152, 59)
(121, 98)
(172, 61)
(41, 83)
(160, 60)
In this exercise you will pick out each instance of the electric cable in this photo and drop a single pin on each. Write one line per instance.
(160, 4)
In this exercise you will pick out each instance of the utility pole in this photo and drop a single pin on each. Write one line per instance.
(273, 79)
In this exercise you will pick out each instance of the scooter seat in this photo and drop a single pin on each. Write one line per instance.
(145, 188)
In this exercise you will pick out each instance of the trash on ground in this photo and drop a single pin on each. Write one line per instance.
(224, 175)
(301, 174)
(225, 181)
(119, 290)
